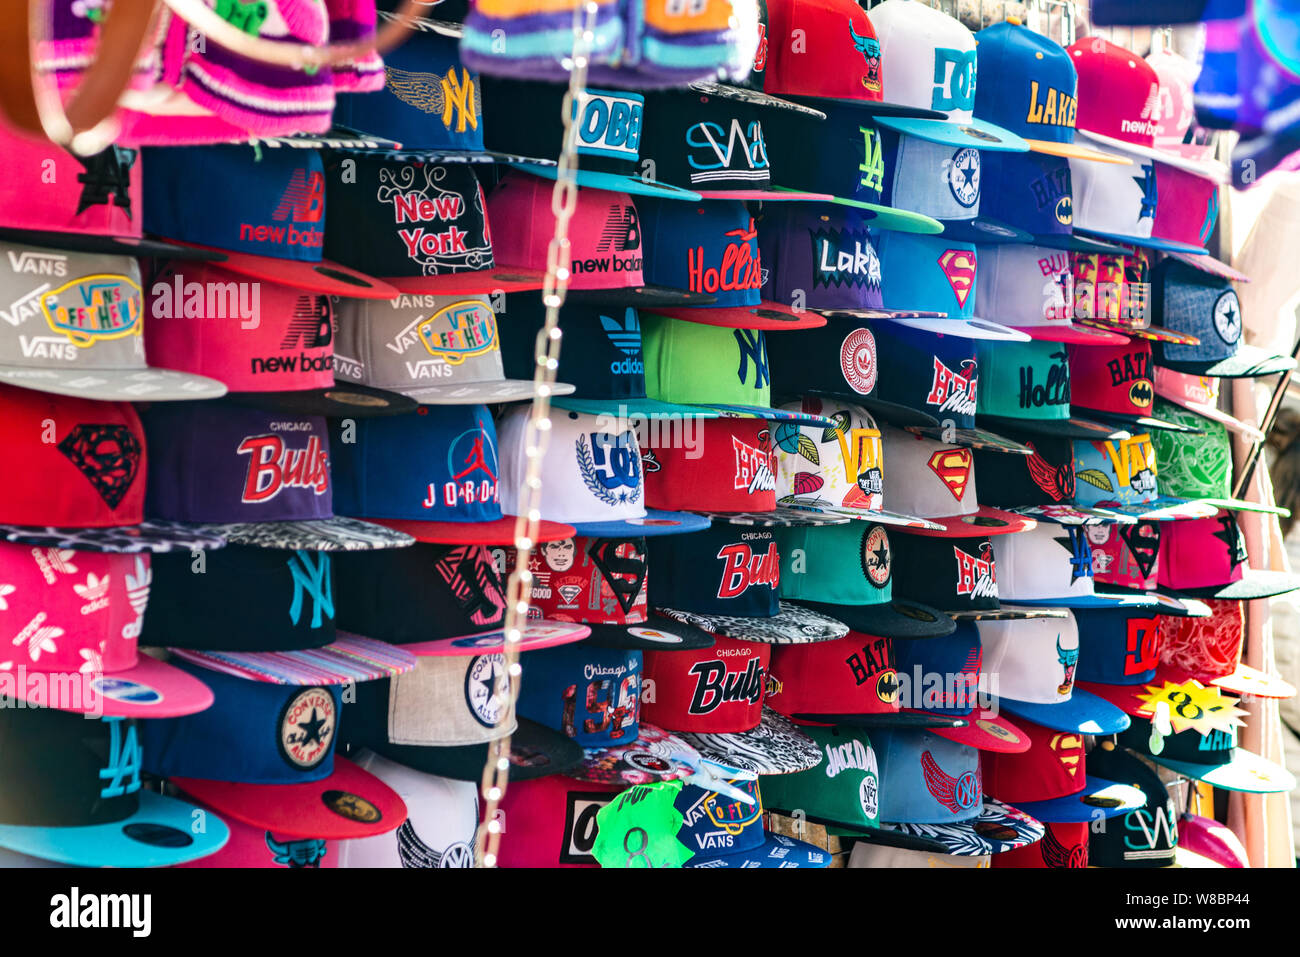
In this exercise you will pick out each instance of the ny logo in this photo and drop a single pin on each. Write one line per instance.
(753, 347)
(124, 759)
(872, 166)
(458, 99)
(313, 581)
(954, 79)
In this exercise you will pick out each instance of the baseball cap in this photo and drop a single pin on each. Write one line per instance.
(1199, 466)
(1204, 842)
(1190, 218)
(1119, 104)
(1209, 649)
(850, 681)
(1031, 288)
(846, 572)
(348, 660)
(1062, 846)
(83, 203)
(957, 575)
(1189, 300)
(851, 164)
(436, 600)
(1173, 691)
(846, 66)
(936, 480)
(257, 847)
(775, 746)
(1051, 780)
(725, 832)
(593, 479)
(590, 694)
(1028, 87)
(1206, 558)
(250, 476)
(85, 807)
(606, 257)
(1035, 663)
(935, 791)
(1112, 291)
(1164, 11)
(1145, 836)
(1176, 129)
(552, 822)
(1212, 758)
(1114, 384)
(611, 125)
(1045, 480)
(1119, 476)
(1117, 646)
(1026, 388)
(837, 471)
(1200, 394)
(924, 43)
(272, 227)
(74, 326)
(602, 583)
(433, 475)
(437, 350)
(654, 756)
(1125, 556)
(440, 826)
(86, 488)
(726, 580)
(282, 739)
(76, 615)
(271, 344)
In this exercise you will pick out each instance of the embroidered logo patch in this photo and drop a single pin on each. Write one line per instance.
(953, 468)
(108, 455)
(959, 266)
(307, 726)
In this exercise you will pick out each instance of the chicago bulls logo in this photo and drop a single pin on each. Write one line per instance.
(953, 467)
(959, 266)
(745, 568)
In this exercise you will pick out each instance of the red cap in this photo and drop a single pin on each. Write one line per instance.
(1114, 379)
(714, 690)
(1119, 93)
(1209, 649)
(1053, 767)
(1063, 845)
(1125, 555)
(734, 470)
(836, 54)
(850, 675)
(597, 581)
(552, 821)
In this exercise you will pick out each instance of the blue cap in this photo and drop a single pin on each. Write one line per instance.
(955, 656)
(725, 832)
(1117, 646)
(731, 570)
(927, 779)
(591, 694)
(1034, 192)
(687, 246)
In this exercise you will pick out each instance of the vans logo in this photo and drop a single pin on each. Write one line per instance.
(38, 264)
(47, 347)
(94, 309)
(459, 332)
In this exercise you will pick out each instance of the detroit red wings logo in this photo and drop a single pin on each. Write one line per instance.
(1056, 480)
(1056, 854)
(959, 266)
(955, 794)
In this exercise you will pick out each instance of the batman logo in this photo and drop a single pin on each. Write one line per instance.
(1139, 393)
(1065, 210)
(887, 686)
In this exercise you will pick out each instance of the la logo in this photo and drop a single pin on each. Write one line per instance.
(872, 166)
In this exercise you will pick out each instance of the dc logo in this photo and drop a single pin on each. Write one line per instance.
(616, 460)
(1227, 317)
(954, 80)
(967, 790)
(964, 177)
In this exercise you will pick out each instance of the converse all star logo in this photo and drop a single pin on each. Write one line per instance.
(307, 725)
(964, 177)
(486, 688)
(875, 556)
(1227, 317)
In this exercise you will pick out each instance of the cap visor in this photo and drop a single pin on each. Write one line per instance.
(987, 731)
(446, 157)
(136, 247)
(656, 633)
(776, 746)
(537, 635)
(1076, 151)
(755, 98)
(342, 400)
(617, 183)
(1208, 264)
(984, 229)
(1083, 712)
(1006, 613)
(478, 281)
(896, 519)
(985, 521)
(1112, 600)
(1214, 413)
(1246, 680)
(1069, 332)
(973, 438)
(627, 407)
(300, 810)
(485, 393)
(150, 689)
(1141, 423)
(115, 385)
(777, 415)
(962, 328)
(350, 658)
(978, 134)
(654, 756)
(656, 522)
(535, 752)
(1162, 509)
(775, 851)
(1066, 514)
(876, 107)
(1150, 333)
(1246, 772)
(1248, 362)
(888, 217)
(1208, 168)
(896, 619)
(324, 276)
(498, 532)
(643, 297)
(1241, 505)
(792, 625)
(159, 834)
(884, 719)
(779, 517)
(312, 535)
(1073, 427)
(998, 828)
(769, 195)
(145, 537)
(766, 315)
(1149, 242)
(1254, 583)
(1099, 798)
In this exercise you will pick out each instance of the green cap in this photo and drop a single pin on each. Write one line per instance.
(842, 790)
(1023, 380)
(837, 564)
(699, 364)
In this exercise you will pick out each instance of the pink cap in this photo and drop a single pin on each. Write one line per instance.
(1209, 649)
(1204, 842)
(1201, 553)
(1200, 394)
(1125, 555)
(551, 821)
(1176, 76)
(79, 613)
(1187, 215)
(251, 846)
(252, 335)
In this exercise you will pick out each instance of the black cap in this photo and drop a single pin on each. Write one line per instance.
(1144, 837)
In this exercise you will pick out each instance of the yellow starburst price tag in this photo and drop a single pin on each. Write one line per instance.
(1193, 705)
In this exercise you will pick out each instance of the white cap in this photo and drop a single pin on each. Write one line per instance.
(914, 36)
(1032, 659)
(441, 820)
(929, 478)
(449, 702)
(1048, 563)
(1112, 199)
(1025, 285)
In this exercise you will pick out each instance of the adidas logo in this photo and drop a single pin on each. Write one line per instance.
(626, 337)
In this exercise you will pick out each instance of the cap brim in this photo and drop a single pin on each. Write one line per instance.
(769, 195)
(115, 385)
(1095, 600)
(1067, 514)
(1248, 362)
(1214, 413)
(984, 229)
(882, 517)
(1005, 613)
(473, 282)
(779, 517)
(482, 393)
(536, 635)
(447, 157)
(1241, 505)
(627, 407)
(773, 852)
(1148, 242)
(313, 535)
(535, 752)
(755, 98)
(987, 731)
(1076, 151)
(656, 633)
(1162, 509)
(146, 537)
(1208, 264)
(766, 316)
(985, 521)
(998, 828)
(1247, 772)
(617, 183)
(977, 134)
(149, 689)
(138, 248)
(498, 532)
(324, 276)
(1069, 332)
(962, 328)
(349, 658)
(792, 625)
(874, 107)
(645, 296)
(656, 522)
(1209, 169)
(880, 216)
(342, 400)
(1073, 427)
(1076, 243)
(776, 746)
(776, 415)
(1099, 798)
(654, 756)
(896, 619)
(1141, 423)
(1254, 583)
(1084, 712)
(300, 810)
(165, 827)
(1150, 333)
(1246, 680)
(976, 438)
(883, 719)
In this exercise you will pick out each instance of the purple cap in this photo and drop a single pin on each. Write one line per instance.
(263, 477)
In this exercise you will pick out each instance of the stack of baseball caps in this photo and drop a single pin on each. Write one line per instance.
(886, 513)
